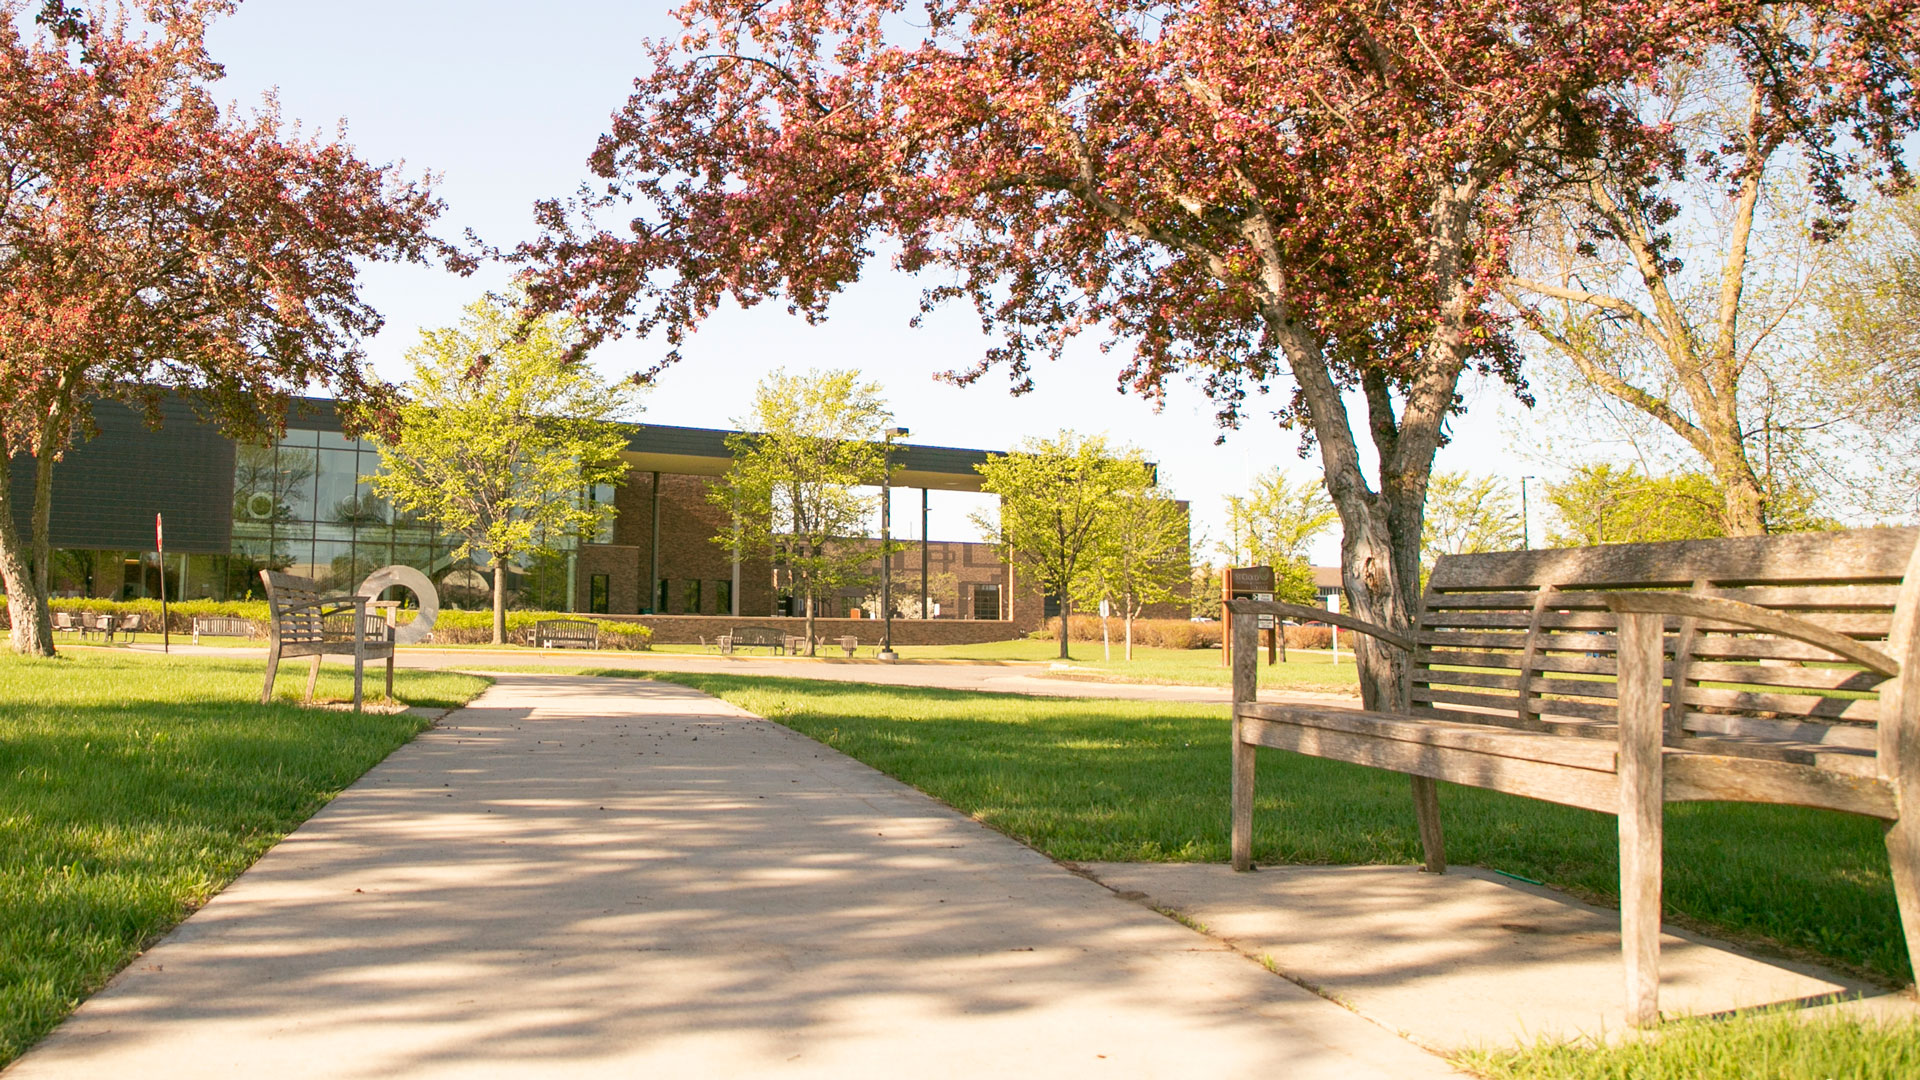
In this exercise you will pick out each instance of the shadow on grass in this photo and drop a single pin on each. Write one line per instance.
(1091, 780)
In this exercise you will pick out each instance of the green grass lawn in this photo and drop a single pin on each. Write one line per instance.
(1769, 1045)
(1112, 780)
(1303, 669)
(133, 787)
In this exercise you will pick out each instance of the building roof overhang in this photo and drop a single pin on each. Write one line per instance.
(688, 451)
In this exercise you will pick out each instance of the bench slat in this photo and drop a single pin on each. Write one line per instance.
(1569, 785)
(1877, 556)
(1497, 740)
(1807, 706)
(1705, 777)
(1812, 678)
(1852, 736)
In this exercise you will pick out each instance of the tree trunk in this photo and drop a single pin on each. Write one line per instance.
(1129, 631)
(1382, 590)
(499, 600)
(27, 610)
(1063, 625)
(809, 623)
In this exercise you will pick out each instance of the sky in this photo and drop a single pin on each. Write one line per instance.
(503, 100)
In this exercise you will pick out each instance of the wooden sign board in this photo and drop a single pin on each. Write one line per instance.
(1245, 581)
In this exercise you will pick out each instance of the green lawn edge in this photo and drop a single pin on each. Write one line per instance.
(135, 787)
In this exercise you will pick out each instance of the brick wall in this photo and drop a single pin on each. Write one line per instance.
(688, 629)
(958, 572)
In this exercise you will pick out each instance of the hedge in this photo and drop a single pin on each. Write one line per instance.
(1173, 633)
(452, 627)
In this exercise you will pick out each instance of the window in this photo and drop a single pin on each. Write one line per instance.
(723, 598)
(597, 595)
(601, 495)
(1049, 606)
(660, 601)
(986, 601)
(690, 596)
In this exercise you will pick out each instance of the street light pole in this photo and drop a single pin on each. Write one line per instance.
(1525, 541)
(886, 545)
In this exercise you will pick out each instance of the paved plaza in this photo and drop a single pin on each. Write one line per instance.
(615, 877)
(581, 877)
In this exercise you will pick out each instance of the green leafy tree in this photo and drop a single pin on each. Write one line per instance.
(1055, 501)
(1609, 504)
(1272, 526)
(1467, 513)
(1276, 520)
(501, 435)
(811, 443)
(1142, 557)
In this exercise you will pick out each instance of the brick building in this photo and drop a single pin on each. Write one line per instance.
(301, 505)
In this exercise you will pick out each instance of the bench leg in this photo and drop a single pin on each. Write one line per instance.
(273, 668)
(1426, 813)
(1903, 852)
(313, 676)
(1642, 804)
(1242, 832)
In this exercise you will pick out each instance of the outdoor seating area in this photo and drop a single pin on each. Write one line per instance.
(306, 623)
(1287, 540)
(228, 626)
(566, 634)
(1755, 669)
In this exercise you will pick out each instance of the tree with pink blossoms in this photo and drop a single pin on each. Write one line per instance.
(1309, 199)
(152, 241)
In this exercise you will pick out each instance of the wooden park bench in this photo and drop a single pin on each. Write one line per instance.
(1777, 669)
(566, 634)
(221, 626)
(752, 637)
(301, 622)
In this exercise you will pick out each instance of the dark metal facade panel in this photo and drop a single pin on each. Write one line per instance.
(712, 443)
(107, 489)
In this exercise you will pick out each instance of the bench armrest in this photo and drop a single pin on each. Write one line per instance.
(1311, 614)
(1753, 617)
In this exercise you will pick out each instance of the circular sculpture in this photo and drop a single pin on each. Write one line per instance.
(415, 582)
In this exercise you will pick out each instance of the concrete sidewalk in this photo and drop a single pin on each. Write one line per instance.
(991, 676)
(579, 877)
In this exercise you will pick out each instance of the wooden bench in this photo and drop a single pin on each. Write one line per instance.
(1781, 669)
(752, 637)
(221, 626)
(301, 622)
(566, 634)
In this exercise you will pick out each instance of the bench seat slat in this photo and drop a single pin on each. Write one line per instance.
(1491, 758)
(1712, 777)
(1484, 738)
(1570, 785)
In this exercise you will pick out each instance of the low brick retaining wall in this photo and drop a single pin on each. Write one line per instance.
(688, 629)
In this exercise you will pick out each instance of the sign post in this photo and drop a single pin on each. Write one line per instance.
(1248, 583)
(160, 549)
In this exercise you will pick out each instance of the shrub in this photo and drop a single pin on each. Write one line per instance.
(1309, 637)
(1174, 633)
(451, 628)
(1153, 633)
(476, 628)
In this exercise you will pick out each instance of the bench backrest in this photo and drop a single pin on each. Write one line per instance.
(1520, 638)
(290, 606)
